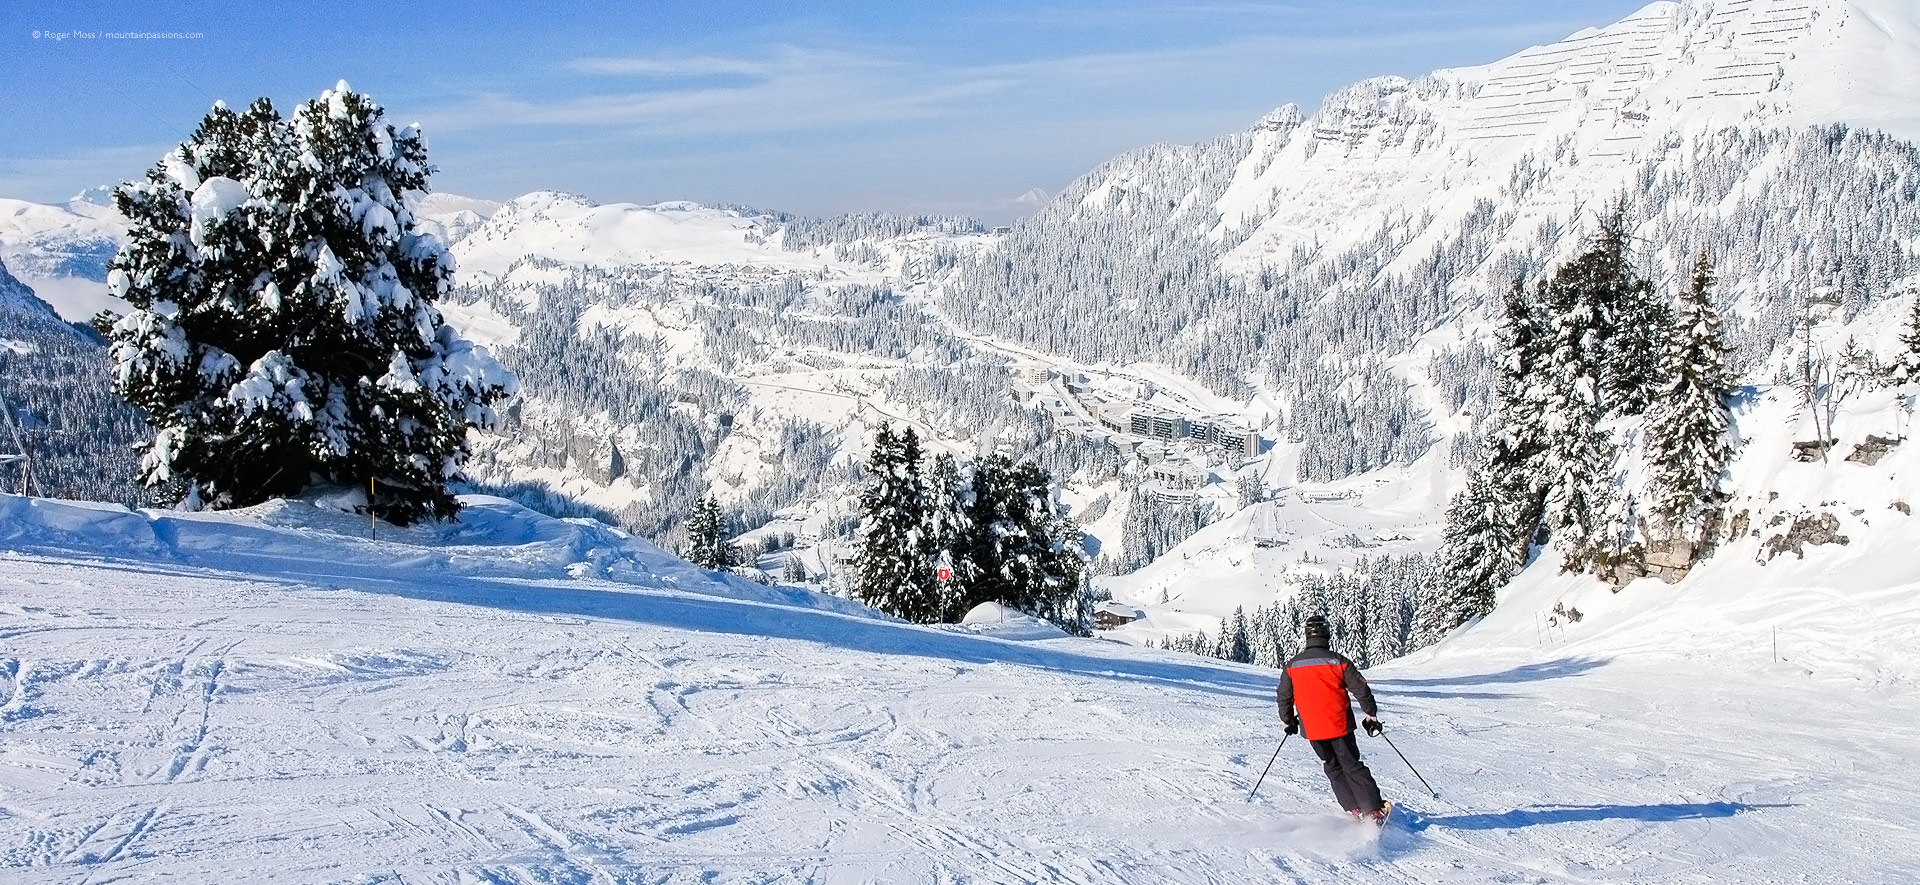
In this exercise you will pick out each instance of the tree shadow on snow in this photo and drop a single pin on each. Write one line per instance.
(1524, 673)
(686, 610)
(1535, 815)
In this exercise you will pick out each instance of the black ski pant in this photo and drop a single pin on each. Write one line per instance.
(1352, 783)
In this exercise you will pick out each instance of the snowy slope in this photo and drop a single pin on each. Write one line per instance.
(573, 229)
(1591, 108)
(265, 695)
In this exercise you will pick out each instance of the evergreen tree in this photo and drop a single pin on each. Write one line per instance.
(283, 328)
(1239, 645)
(707, 545)
(1475, 560)
(1518, 439)
(1027, 540)
(1689, 439)
(1578, 454)
(891, 572)
(1908, 366)
(1017, 550)
(1634, 319)
(991, 513)
(945, 531)
(1620, 314)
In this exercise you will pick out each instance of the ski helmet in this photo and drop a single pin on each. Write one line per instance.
(1317, 631)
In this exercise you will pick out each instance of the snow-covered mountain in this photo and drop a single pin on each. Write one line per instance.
(1331, 272)
(1319, 279)
(62, 251)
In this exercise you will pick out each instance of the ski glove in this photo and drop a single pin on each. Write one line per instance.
(1292, 727)
(1373, 726)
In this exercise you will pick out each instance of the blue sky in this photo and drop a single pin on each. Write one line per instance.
(810, 107)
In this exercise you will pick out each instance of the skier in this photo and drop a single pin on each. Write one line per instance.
(1317, 683)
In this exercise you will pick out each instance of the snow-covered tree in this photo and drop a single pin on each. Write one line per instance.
(1518, 436)
(891, 571)
(1908, 366)
(1251, 489)
(283, 329)
(945, 530)
(1578, 455)
(1018, 551)
(1689, 440)
(707, 545)
(1067, 596)
(1630, 318)
(1234, 636)
(1477, 557)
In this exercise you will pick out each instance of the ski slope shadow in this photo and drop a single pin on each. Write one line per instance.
(667, 608)
(1536, 815)
(679, 609)
(1559, 669)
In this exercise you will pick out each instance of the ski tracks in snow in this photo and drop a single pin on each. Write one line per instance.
(240, 732)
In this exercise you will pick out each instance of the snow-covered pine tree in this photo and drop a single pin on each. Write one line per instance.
(1476, 558)
(945, 531)
(1635, 319)
(991, 509)
(1518, 438)
(283, 329)
(1621, 313)
(891, 571)
(1068, 600)
(1575, 464)
(1251, 488)
(1689, 439)
(707, 545)
(1017, 551)
(1239, 644)
(1026, 539)
(1908, 365)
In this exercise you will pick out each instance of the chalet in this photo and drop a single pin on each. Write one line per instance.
(1111, 614)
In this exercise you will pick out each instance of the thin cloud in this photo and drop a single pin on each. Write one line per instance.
(791, 89)
(773, 62)
(31, 177)
(692, 66)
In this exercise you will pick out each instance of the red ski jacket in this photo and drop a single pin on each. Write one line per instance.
(1317, 682)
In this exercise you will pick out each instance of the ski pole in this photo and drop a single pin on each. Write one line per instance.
(1263, 771)
(1403, 758)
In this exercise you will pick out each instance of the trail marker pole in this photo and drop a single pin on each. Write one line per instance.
(373, 522)
(1263, 771)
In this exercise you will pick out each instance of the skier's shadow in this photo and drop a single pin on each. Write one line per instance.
(1535, 815)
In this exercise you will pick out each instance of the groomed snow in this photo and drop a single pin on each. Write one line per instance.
(270, 695)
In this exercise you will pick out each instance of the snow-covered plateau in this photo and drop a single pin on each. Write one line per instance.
(272, 695)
